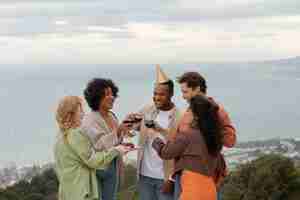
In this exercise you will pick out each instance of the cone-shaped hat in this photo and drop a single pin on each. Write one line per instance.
(161, 77)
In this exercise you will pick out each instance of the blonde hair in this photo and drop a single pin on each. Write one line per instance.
(66, 110)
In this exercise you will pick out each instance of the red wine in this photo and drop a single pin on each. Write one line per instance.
(149, 123)
(131, 145)
(127, 121)
(138, 119)
(135, 120)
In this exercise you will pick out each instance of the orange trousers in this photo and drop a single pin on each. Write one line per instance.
(195, 186)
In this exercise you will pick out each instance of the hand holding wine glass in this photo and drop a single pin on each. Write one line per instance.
(149, 121)
(133, 118)
(124, 128)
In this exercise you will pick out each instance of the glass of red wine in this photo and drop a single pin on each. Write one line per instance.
(135, 119)
(149, 121)
(127, 140)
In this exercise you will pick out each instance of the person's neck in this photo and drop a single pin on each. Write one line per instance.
(168, 107)
(104, 112)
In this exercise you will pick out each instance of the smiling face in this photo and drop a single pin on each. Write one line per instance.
(162, 97)
(192, 84)
(107, 102)
(189, 92)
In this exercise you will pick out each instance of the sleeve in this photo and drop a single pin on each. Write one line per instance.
(107, 141)
(56, 171)
(100, 139)
(172, 148)
(228, 129)
(84, 149)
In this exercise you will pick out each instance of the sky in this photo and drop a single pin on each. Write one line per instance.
(142, 31)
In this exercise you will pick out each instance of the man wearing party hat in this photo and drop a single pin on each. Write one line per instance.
(153, 172)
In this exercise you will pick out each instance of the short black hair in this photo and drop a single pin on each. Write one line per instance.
(95, 91)
(193, 80)
(170, 85)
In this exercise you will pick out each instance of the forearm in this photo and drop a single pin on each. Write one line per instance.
(84, 149)
(228, 130)
(99, 160)
(108, 141)
(169, 150)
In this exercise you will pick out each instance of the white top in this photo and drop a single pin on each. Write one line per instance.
(152, 164)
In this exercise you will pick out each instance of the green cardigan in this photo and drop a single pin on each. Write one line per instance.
(75, 164)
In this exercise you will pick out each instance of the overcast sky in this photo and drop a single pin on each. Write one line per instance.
(143, 31)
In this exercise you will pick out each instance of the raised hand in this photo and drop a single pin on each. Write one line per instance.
(123, 149)
(124, 128)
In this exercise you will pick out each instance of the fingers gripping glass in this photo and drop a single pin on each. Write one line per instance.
(136, 119)
(149, 121)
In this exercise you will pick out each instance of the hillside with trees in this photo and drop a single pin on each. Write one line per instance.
(269, 177)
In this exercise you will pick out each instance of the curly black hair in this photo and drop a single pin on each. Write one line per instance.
(95, 91)
(206, 118)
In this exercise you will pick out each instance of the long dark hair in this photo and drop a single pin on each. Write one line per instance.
(206, 118)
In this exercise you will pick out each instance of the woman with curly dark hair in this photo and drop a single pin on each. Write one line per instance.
(103, 129)
(196, 149)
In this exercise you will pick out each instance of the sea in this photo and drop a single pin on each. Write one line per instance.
(262, 99)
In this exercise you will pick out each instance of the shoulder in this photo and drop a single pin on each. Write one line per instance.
(221, 109)
(147, 108)
(76, 136)
(74, 132)
(177, 111)
(89, 119)
(187, 117)
(191, 132)
(220, 105)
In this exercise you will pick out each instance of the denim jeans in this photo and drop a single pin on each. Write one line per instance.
(219, 195)
(108, 182)
(177, 189)
(149, 189)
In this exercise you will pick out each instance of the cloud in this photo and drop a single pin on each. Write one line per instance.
(139, 31)
(158, 43)
(61, 22)
(188, 10)
(33, 19)
(258, 35)
(112, 26)
(177, 10)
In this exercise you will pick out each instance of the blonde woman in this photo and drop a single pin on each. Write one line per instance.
(75, 159)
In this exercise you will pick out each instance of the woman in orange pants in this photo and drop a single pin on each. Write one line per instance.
(196, 150)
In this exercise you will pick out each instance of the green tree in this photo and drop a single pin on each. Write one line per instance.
(45, 183)
(270, 177)
(9, 195)
(43, 186)
(34, 196)
(22, 187)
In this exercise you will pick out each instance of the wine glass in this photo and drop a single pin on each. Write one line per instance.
(149, 120)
